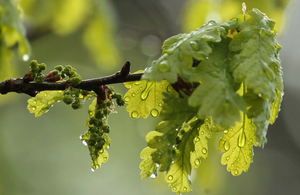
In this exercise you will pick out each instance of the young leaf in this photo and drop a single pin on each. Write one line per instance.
(43, 101)
(145, 97)
(257, 62)
(216, 95)
(179, 51)
(178, 175)
(237, 143)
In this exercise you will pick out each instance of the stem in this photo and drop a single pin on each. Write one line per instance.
(32, 88)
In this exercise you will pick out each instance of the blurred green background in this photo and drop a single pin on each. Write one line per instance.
(45, 156)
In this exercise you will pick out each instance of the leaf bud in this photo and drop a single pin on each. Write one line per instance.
(68, 99)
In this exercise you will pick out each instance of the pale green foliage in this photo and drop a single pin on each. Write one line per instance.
(43, 101)
(236, 87)
(145, 97)
(179, 51)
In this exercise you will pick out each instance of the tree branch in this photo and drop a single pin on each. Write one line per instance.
(21, 85)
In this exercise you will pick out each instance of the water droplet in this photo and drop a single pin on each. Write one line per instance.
(104, 159)
(241, 75)
(227, 158)
(197, 139)
(134, 114)
(153, 175)
(202, 132)
(269, 74)
(33, 108)
(242, 140)
(84, 142)
(127, 98)
(254, 27)
(214, 73)
(174, 189)
(226, 146)
(197, 162)
(236, 172)
(133, 94)
(204, 150)
(164, 66)
(209, 135)
(170, 177)
(137, 92)
(154, 112)
(262, 32)
(137, 82)
(169, 88)
(92, 169)
(184, 189)
(25, 57)
(101, 151)
(195, 45)
(146, 91)
(160, 104)
(206, 58)
(161, 86)
(269, 32)
(226, 131)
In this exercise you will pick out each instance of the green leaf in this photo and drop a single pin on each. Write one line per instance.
(178, 175)
(276, 106)
(256, 62)
(145, 97)
(148, 167)
(43, 101)
(237, 142)
(179, 51)
(216, 95)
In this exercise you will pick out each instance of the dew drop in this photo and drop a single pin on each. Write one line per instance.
(236, 172)
(33, 108)
(160, 104)
(174, 189)
(226, 146)
(227, 158)
(133, 94)
(104, 159)
(195, 45)
(197, 139)
(101, 151)
(241, 75)
(197, 162)
(204, 150)
(84, 142)
(169, 88)
(134, 114)
(164, 66)
(269, 32)
(127, 98)
(154, 112)
(146, 92)
(226, 131)
(153, 175)
(202, 132)
(170, 177)
(92, 169)
(242, 140)
(137, 82)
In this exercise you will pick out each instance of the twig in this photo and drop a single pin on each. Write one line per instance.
(20, 85)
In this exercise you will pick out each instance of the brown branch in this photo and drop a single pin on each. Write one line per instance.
(21, 85)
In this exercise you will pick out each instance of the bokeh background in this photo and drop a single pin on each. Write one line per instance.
(45, 156)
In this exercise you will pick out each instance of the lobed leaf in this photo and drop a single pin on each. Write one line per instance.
(145, 97)
(256, 62)
(179, 51)
(43, 101)
(237, 142)
(216, 95)
(180, 170)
